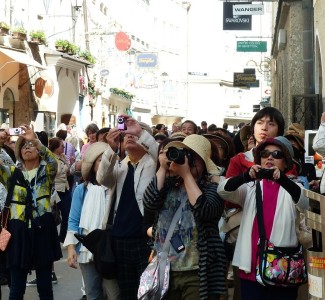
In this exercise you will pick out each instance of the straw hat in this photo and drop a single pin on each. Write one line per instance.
(92, 153)
(280, 141)
(245, 133)
(202, 147)
(296, 128)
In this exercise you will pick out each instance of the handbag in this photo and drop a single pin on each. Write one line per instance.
(277, 266)
(56, 214)
(154, 281)
(5, 235)
(100, 243)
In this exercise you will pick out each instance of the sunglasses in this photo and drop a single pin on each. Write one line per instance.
(277, 154)
(28, 144)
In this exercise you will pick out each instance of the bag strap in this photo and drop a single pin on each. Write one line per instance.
(111, 213)
(259, 208)
(6, 209)
(172, 226)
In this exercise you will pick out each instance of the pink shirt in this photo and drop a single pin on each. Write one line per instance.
(270, 199)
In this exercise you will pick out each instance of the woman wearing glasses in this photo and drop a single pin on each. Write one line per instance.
(34, 242)
(272, 158)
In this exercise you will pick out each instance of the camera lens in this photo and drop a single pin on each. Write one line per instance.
(120, 120)
(17, 130)
(176, 155)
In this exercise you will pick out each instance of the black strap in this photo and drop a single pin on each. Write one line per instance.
(259, 208)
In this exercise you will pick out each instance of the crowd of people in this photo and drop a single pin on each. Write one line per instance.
(141, 175)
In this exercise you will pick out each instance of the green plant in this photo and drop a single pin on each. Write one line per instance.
(38, 34)
(91, 89)
(20, 29)
(62, 43)
(72, 48)
(4, 25)
(121, 93)
(88, 56)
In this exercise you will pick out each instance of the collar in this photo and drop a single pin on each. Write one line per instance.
(134, 164)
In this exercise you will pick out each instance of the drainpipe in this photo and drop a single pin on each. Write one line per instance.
(308, 46)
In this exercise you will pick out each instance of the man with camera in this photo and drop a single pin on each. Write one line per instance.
(128, 179)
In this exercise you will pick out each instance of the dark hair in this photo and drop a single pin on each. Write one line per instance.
(54, 143)
(191, 122)
(275, 116)
(102, 131)
(159, 126)
(204, 123)
(62, 134)
(161, 146)
(91, 128)
(43, 137)
(212, 127)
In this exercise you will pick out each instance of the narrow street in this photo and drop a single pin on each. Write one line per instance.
(68, 286)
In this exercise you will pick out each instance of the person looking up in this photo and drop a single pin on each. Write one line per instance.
(128, 179)
(30, 214)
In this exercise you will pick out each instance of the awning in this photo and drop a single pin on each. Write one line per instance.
(20, 57)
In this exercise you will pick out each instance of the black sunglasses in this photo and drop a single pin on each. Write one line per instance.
(277, 154)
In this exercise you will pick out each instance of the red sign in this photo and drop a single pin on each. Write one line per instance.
(122, 41)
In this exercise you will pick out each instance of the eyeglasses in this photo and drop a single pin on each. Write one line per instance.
(28, 144)
(277, 154)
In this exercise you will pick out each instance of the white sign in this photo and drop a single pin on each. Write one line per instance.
(248, 9)
(315, 286)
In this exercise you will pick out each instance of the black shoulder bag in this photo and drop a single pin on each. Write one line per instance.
(100, 243)
(277, 266)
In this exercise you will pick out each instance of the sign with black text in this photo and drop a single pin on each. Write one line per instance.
(237, 22)
(248, 9)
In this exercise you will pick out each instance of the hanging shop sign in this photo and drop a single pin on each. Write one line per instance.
(44, 87)
(242, 79)
(251, 46)
(122, 41)
(147, 60)
(235, 22)
(248, 9)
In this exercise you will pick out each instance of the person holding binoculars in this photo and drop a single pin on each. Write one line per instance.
(196, 255)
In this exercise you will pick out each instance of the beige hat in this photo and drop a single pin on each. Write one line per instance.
(92, 153)
(202, 147)
(245, 133)
(178, 135)
(296, 128)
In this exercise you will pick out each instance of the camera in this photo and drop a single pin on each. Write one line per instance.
(265, 174)
(177, 155)
(15, 131)
(121, 123)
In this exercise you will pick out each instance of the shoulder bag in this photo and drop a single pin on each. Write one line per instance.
(5, 235)
(154, 281)
(277, 266)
